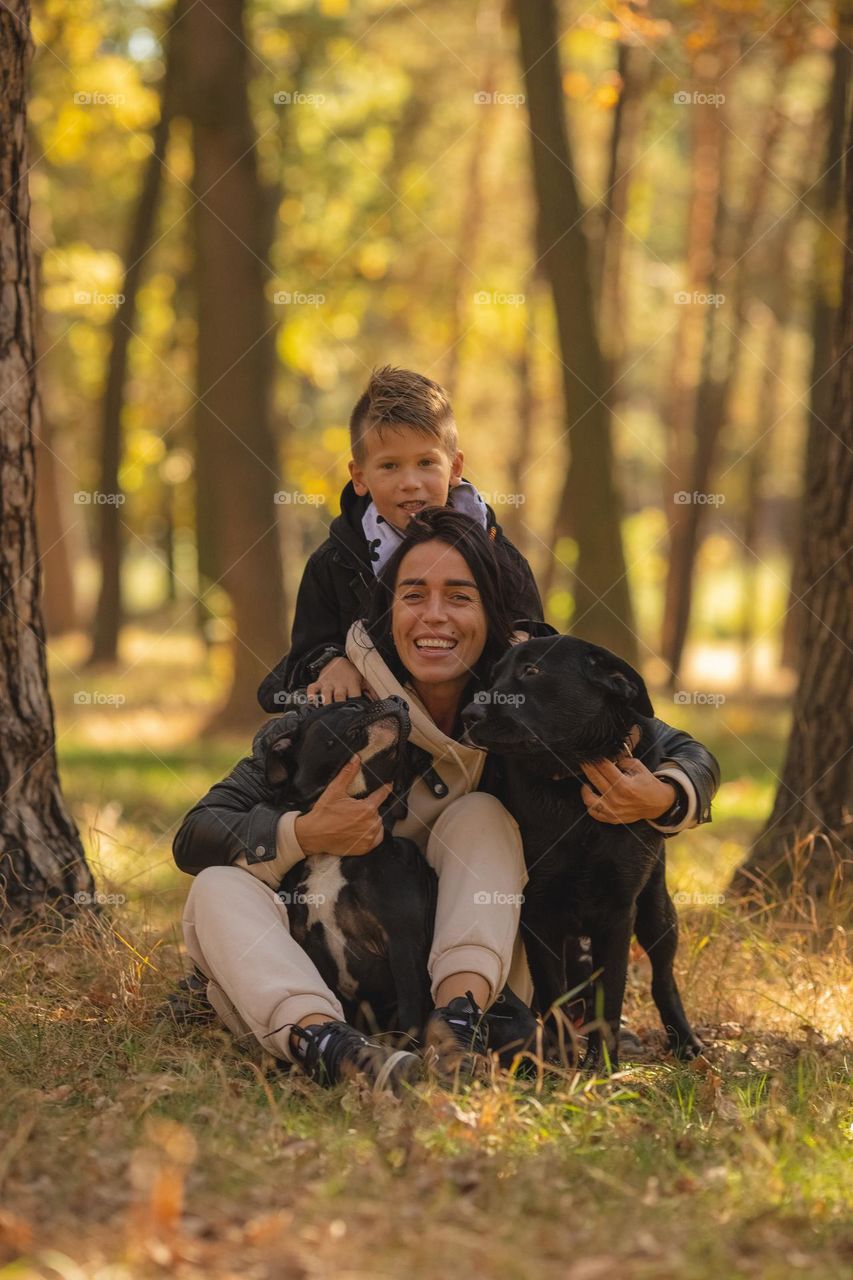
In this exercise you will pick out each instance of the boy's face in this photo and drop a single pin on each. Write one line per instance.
(405, 471)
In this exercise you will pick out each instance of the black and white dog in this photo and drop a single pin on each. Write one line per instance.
(366, 921)
(555, 704)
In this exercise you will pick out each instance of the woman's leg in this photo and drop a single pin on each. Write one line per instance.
(259, 980)
(475, 848)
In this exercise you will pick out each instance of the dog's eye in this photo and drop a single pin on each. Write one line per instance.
(530, 669)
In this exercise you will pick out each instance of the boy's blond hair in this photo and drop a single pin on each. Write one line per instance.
(400, 398)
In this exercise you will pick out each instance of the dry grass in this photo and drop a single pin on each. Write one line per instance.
(134, 1148)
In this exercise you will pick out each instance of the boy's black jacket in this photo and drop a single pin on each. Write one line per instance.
(335, 591)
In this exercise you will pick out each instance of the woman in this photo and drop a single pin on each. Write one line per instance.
(440, 617)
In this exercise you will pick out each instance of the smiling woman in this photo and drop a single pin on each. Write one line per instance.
(440, 617)
(445, 618)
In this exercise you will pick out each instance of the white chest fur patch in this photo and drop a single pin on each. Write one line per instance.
(322, 884)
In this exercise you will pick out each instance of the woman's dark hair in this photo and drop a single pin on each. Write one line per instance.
(499, 583)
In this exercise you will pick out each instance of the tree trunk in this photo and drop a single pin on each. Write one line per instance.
(828, 223)
(814, 802)
(471, 223)
(232, 415)
(108, 611)
(514, 520)
(768, 401)
(603, 612)
(721, 357)
(41, 857)
(633, 70)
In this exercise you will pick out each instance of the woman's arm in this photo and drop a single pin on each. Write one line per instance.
(237, 822)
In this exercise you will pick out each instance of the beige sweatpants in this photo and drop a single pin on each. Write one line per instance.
(260, 981)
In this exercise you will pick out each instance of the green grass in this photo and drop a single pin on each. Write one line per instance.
(135, 1148)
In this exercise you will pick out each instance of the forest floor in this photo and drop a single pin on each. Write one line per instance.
(132, 1147)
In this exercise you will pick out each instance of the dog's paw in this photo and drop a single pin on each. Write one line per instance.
(687, 1050)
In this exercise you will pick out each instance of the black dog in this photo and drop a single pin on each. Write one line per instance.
(366, 921)
(555, 704)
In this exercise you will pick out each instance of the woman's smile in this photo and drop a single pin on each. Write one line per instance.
(438, 621)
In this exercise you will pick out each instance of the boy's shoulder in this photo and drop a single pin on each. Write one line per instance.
(345, 538)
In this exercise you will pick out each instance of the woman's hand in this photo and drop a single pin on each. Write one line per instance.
(338, 681)
(628, 791)
(339, 825)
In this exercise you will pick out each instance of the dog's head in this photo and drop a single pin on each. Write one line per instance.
(558, 698)
(301, 751)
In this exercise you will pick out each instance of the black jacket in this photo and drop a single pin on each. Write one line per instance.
(335, 591)
(240, 814)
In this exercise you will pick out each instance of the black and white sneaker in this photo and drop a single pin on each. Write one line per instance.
(188, 1004)
(330, 1052)
(457, 1039)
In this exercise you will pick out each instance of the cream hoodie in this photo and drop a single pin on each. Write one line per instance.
(458, 767)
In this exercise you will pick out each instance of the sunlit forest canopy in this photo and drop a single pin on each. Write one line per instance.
(393, 149)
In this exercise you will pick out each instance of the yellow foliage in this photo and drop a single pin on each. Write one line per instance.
(336, 439)
(606, 96)
(291, 211)
(81, 280)
(575, 84)
(345, 326)
(143, 447)
(373, 259)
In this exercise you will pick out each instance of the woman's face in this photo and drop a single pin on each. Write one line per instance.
(438, 621)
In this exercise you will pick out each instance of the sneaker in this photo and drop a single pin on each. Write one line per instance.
(457, 1038)
(330, 1052)
(188, 1003)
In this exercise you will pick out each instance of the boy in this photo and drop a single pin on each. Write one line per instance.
(405, 456)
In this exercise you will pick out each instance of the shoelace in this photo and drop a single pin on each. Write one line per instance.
(343, 1042)
(339, 1039)
(473, 1037)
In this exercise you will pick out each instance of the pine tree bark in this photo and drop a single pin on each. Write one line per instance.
(603, 612)
(814, 802)
(41, 857)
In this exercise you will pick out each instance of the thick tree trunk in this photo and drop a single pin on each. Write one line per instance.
(41, 858)
(603, 612)
(108, 611)
(814, 803)
(232, 416)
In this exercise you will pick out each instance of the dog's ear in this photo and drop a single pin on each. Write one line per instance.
(271, 745)
(606, 671)
(276, 765)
